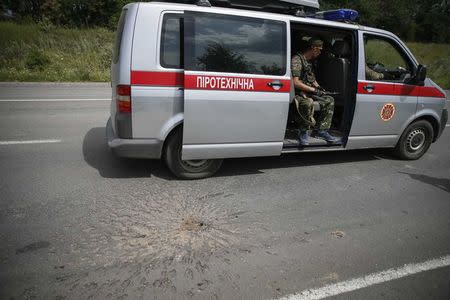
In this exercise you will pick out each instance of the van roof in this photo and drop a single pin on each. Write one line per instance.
(309, 3)
(260, 14)
(254, 3)
(248, 13)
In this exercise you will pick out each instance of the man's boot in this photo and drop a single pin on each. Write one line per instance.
(304, 138)
(323, 134)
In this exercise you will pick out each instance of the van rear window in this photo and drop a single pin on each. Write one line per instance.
(234, 44)
(119, 34)
(171, 38)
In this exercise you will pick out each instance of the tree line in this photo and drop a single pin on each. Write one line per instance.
(69, 13)
(412, 20)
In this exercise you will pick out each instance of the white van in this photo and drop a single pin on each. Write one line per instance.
(196, 83)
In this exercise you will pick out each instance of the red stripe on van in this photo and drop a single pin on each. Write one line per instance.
(433, 92)
(407, 90)
(420, 91)
(227, 83)
(379, 88)
(395, 89)
(157, 78)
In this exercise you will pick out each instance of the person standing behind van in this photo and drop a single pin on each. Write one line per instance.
(308, 90)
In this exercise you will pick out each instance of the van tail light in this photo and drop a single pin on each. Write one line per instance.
(124, 98)
(123, 115)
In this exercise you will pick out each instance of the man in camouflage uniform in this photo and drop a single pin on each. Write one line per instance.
(307, 90)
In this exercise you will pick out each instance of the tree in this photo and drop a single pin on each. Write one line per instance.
(412, 20)
(77, 13)
(219, 57)
(433, 17)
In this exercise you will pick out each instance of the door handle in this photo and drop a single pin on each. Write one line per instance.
(276, 85)
(369, 88)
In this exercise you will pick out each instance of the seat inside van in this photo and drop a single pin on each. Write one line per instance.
(334, 70)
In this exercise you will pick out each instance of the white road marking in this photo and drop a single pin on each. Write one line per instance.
(29, 142)
(448, 125)
(371, 279)
(51, 100)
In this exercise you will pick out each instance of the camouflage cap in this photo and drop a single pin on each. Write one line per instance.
(315, 42)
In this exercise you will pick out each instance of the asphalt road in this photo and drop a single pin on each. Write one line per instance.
(77, 223)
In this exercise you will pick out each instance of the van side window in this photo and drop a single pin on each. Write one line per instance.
(171, 46)
(385, 61)
(219, 43)
(119, 33)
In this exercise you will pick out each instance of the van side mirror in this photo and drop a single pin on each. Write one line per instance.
(421, 75)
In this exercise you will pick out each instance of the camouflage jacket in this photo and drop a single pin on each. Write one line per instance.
(302, 69)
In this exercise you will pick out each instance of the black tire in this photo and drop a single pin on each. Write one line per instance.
(194, 169)
(415, 140)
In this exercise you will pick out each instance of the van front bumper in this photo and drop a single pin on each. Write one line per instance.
(133, 148)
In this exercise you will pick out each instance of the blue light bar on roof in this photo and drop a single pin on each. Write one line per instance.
(342, 15)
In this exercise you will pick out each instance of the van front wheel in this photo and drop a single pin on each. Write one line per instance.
(187, 169)
(415, 140)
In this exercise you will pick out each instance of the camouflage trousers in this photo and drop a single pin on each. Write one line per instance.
(304, 108)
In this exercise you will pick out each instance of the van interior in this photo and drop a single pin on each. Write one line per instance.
(336, 71)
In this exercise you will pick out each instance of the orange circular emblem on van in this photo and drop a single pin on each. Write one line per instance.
(387, 112)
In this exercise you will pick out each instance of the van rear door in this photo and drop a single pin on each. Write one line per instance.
(237, 86)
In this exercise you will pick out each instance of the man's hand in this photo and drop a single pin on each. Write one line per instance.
(321, 88)
(318, 91)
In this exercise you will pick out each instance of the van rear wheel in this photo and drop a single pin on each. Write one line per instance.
(415, 140)
(187, 169)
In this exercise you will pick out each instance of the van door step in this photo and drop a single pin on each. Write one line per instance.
(313, 142)
(291, 140)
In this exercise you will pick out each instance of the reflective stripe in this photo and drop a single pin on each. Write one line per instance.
(378, 88)
(157, 78)
(431, 92)
(228, 83)
(398, 89)
(205, 82)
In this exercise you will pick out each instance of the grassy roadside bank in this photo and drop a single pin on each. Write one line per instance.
(48, 53)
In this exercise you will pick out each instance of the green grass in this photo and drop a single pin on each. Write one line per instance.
(383, 52)
(48, 53)
(437, 59)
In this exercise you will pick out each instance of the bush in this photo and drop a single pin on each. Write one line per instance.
(37, 52)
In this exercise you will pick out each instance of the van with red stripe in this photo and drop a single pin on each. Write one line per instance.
(194, 82)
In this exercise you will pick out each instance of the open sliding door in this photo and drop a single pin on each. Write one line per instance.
(237, 85)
